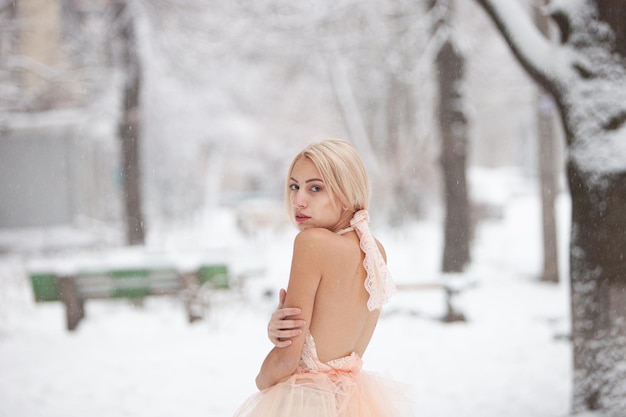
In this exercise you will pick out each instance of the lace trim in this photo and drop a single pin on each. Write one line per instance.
(341, 363)
(308, 357)
(309, 362)
(378, 283)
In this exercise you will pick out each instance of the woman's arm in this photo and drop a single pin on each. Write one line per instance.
(281, 328)
(304, 279)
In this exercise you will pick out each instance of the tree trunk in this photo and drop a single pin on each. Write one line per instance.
(549, 186)
(589, 84)
(598, 288)
(547, 173)
(453, 130)
(129, 128)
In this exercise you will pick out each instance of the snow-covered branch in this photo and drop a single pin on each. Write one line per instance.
(537, 55)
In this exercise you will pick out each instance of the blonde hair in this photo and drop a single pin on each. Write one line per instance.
(341, 169)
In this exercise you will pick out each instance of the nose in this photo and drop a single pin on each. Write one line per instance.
(299, 199)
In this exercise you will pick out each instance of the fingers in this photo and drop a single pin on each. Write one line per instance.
(281, 297)
(282, 338)
(287, 325)
(281, 343)
(280, 331)
(284, 328)
(288, 334)
(283, 313)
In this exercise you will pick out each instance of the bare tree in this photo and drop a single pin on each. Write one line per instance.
(454, 133)
(547, 171)
(548, 181)
(586, 74)
(129, 128)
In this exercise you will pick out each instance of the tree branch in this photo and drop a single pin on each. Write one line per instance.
(533, 51)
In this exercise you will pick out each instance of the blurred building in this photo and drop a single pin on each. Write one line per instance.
(58, 159)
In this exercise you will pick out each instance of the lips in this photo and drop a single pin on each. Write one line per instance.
(301, 218)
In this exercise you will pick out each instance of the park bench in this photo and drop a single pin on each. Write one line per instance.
(452, 286)
(73, 288)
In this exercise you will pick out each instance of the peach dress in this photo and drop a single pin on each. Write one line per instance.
(338, 388)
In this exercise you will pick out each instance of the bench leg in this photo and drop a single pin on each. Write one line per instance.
(453, 314)
(74, 304)
(193, 304)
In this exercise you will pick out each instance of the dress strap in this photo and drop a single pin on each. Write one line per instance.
(344, 231)
(378, 283)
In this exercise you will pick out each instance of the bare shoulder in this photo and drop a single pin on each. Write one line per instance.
(323, 243)
(313, 235)
(318, 242)
(314, 238)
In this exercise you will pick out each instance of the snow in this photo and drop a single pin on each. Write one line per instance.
(511, 358)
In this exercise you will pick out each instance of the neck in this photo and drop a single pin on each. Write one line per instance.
(343, 222)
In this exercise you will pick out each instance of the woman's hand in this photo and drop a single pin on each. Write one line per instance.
(281, 329)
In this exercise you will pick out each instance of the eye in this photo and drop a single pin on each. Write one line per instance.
(316, 188)
(294, 187)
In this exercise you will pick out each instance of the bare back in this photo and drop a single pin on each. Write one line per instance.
(341, 322)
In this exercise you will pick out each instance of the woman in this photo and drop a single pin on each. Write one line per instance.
(337, 285)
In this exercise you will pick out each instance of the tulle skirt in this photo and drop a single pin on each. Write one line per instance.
(330, 394)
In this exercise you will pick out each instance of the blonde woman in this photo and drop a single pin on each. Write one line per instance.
(337, 286)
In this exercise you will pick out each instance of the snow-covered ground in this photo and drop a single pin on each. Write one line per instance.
(509, 359)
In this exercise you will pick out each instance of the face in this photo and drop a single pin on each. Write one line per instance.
(312, 204)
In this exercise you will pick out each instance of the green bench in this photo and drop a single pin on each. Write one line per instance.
(73, 289)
